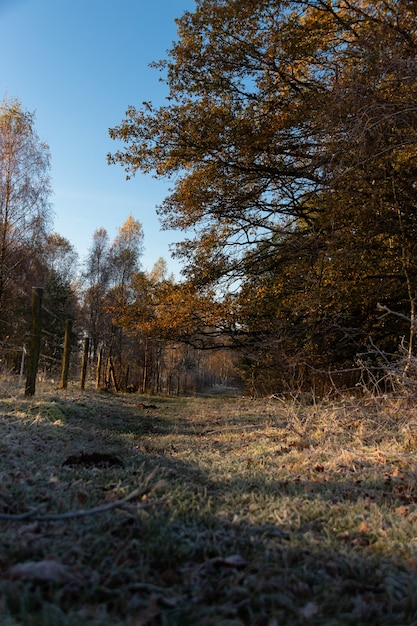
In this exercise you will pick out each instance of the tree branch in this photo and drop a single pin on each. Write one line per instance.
(387, 311)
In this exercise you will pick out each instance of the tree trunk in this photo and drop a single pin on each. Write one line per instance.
(84, 361)
(66, 355)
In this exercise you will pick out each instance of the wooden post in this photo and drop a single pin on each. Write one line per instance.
(22, 364)
(145, 365)
(66, 355)
(112, 375)
(99, 366)
(107, 381)
(84, 361)
(35, 340)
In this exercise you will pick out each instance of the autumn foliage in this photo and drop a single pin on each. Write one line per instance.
(290, 138)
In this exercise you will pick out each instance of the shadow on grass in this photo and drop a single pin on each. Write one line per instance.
(245, 548)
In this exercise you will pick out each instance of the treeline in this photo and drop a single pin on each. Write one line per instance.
(290, 139)
(107, 297)
(133, 320)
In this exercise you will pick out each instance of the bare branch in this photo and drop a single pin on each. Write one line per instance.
(387, 311)
(137, 494)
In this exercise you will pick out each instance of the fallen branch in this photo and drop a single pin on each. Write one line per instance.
(117, 504)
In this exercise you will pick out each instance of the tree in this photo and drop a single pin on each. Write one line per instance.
(125, 254)
(162, 336)
(97, 274)
(290, 135)
(24, 223)
(60, 256)
(60, 300)
(375, 148)
(126, 251)
(108, 274)
(239, 134)
(24, 195)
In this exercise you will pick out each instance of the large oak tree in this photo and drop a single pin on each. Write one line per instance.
(289, 136)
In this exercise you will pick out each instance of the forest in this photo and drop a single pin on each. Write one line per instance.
(267, 472)
(289, 137)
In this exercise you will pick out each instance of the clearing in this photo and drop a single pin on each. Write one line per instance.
(125, 510)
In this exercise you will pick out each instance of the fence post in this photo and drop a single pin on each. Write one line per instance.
(35, 340)
(84, 361)
(66, 355)
(99, 367)
(22, 364)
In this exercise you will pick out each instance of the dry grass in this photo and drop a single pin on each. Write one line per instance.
(271, 512)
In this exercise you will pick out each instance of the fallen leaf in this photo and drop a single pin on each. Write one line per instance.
(234, 560)
(364, 528)
(309, 610)
(402, 510)
(299, 445)
(48, 571)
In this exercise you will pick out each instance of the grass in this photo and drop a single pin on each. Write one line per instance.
(271, 512)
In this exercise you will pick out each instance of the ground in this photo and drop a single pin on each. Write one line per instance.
(119, 509)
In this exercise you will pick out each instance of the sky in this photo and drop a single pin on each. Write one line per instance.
(77, 65)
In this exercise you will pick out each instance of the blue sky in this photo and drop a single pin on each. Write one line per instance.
(78, 64)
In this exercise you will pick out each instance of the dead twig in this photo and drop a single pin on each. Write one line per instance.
(138, 493)
(387, 311)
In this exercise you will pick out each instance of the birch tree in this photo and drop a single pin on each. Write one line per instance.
(24, 193)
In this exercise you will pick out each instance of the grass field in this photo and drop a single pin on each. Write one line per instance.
(212, 511)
